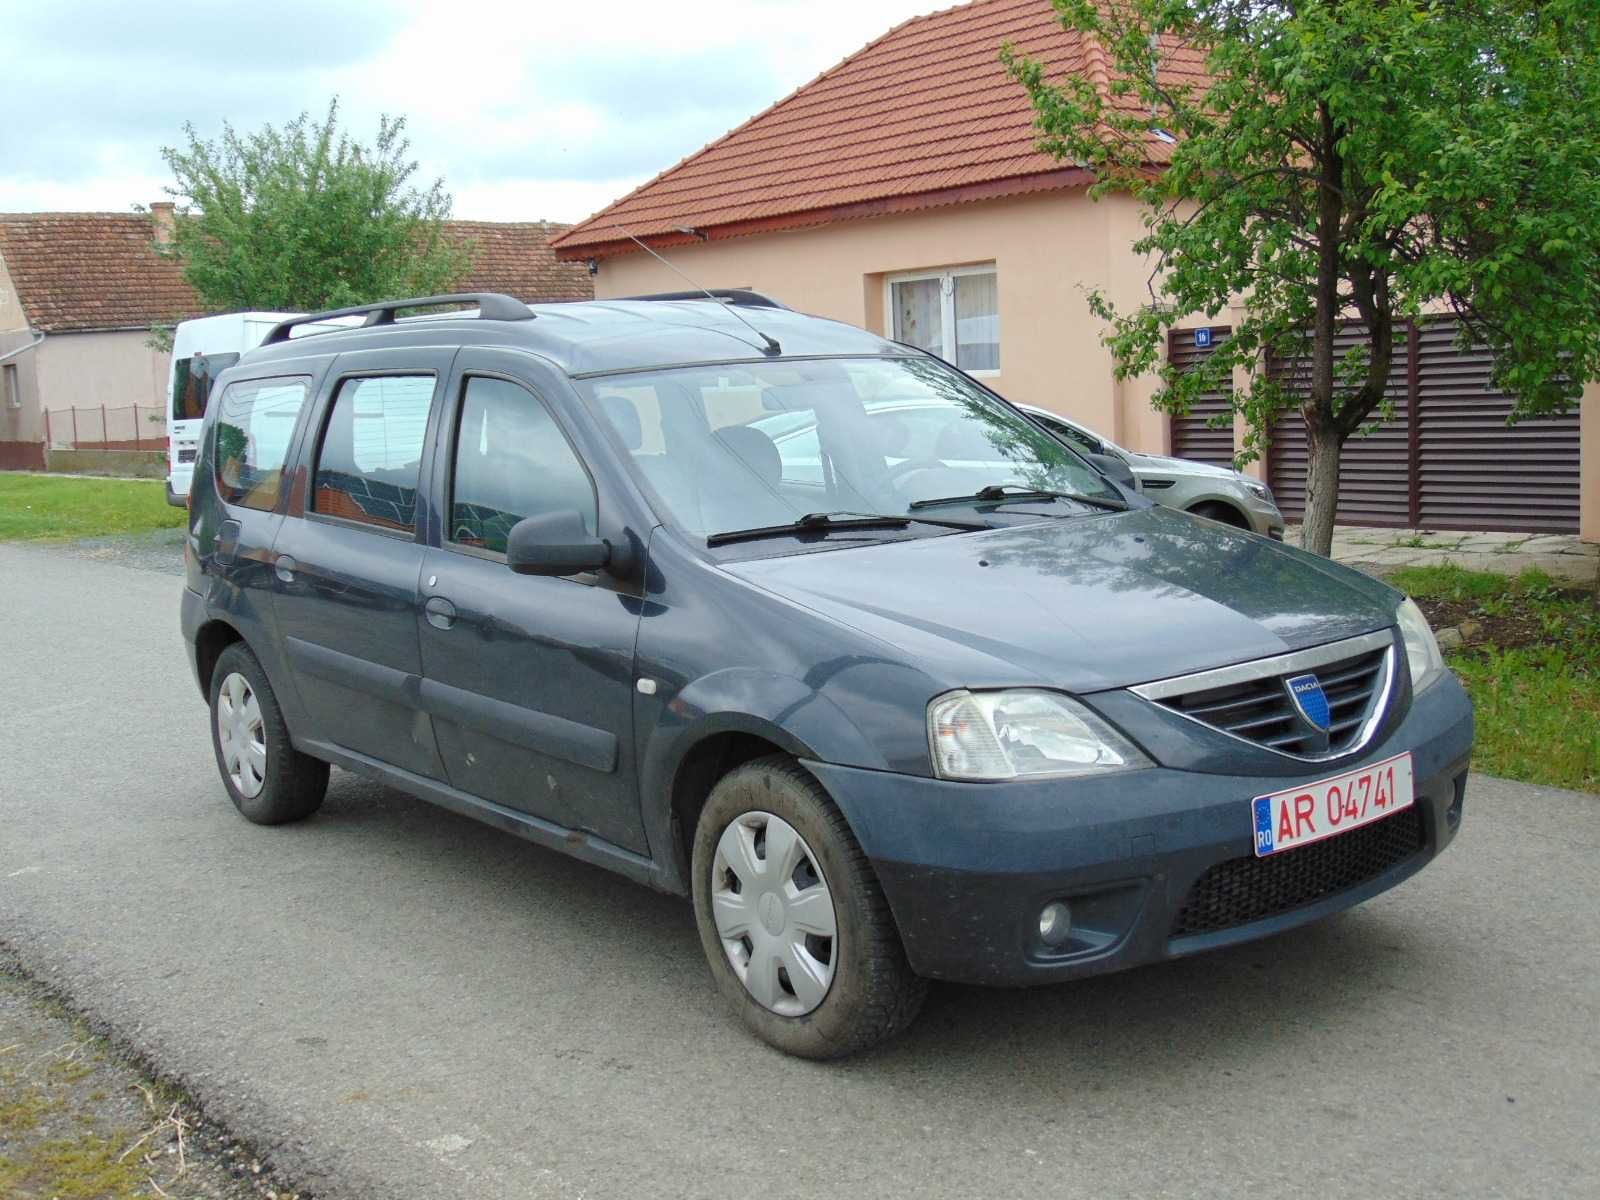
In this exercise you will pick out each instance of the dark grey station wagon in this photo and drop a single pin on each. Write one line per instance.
(809, 626)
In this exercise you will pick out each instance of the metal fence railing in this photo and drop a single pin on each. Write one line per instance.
(132, 427)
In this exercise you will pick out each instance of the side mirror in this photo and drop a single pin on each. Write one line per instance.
(555, 543)
(1116, 468)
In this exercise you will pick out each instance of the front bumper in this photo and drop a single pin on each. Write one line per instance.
(967, 867)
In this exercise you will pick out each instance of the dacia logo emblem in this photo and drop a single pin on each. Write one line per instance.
(1310, 700)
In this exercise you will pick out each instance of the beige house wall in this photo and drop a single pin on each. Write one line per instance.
(115, 369)
(1048, 250)
(11, 314)
(23, 423)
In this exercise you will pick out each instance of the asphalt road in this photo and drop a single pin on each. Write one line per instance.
(397, 1002)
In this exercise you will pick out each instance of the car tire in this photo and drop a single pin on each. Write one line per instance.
(268, 780)
(1225, 514)
(870, 993)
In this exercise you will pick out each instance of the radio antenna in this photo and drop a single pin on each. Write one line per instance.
(772, 343)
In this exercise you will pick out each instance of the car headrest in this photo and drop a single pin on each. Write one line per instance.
(756, 450)
(624, 418)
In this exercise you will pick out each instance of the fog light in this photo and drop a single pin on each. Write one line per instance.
(1055, 923)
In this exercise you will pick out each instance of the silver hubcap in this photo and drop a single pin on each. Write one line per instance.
(242, 736)
(774, 913)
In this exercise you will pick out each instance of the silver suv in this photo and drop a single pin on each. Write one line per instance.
(1220, 493)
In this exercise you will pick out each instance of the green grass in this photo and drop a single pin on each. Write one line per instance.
(1534, 676)
(59, 508)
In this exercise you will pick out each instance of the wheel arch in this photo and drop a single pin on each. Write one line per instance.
(210, 640)
(1219, 508)
(714, 725)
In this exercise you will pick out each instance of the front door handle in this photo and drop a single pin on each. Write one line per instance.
(440, 612)
(284, 568)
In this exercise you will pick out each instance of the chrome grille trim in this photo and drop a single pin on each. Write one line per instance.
(1264, 668)
(1162, 691)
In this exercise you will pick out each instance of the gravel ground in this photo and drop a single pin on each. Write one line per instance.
(77, 1119)
(160, 550)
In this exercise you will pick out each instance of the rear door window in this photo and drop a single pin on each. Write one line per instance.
(255, 424)
(371, 455)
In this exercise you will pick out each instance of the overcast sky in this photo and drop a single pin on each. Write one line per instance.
(529, 110)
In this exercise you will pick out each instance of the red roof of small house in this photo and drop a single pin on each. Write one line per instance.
(925, 115)
(75, 272)
(81, 271)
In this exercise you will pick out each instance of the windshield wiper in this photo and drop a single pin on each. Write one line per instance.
(997, 492)
(821, 522)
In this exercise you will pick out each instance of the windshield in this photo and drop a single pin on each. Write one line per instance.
(192, 381)
(743, 445)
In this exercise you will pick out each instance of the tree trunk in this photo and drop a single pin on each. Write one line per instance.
(1323, 444)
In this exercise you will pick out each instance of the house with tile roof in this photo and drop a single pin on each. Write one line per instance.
(80, 292)
(902, 190)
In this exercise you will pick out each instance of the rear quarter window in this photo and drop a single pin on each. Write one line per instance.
(255, 423)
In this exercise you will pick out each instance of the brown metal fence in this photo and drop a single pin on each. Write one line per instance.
(1446, 459)
(132, 427)
(1192, 434)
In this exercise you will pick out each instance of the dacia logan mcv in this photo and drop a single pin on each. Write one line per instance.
(808, 626)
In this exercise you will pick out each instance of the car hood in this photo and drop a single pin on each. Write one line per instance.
(1178, 466)
(1082, 603)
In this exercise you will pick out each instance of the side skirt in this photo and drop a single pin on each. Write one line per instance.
(578, 844)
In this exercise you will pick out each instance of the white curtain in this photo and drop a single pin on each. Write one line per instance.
(977, 322)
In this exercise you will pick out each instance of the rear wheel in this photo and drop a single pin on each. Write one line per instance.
(796, 929)
(268, 780)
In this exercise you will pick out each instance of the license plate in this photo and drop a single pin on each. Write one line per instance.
(1301, 815)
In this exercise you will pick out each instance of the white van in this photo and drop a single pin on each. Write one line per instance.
(201, 350)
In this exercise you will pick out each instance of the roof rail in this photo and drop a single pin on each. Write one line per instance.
(492, 306)
(743, 297)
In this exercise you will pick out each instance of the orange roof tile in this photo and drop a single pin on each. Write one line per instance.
(924, 115)
(83, 271)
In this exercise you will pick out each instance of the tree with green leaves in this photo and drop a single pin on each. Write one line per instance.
(1366, 160)
(305, 217)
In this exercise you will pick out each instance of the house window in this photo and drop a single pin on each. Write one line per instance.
(10, 389)
(955, 313)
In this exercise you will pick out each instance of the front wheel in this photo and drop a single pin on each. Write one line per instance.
(792, 920)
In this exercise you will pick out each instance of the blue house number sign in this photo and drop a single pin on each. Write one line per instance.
(1202, 339)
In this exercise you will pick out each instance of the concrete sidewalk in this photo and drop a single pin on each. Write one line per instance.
(1560, 555)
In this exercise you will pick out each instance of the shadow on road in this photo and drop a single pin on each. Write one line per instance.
(1237, 1009)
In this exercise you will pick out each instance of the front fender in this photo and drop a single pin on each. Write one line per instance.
(783, 710)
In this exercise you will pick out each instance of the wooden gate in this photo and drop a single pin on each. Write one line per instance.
(1446, 458)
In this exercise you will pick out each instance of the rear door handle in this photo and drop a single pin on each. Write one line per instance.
(284, 568)
(440, 612)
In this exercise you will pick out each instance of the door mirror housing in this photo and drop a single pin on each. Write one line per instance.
(1115, 468)
(555, 543)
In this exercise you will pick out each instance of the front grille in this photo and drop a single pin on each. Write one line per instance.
(1242, 890)
(1252, 700)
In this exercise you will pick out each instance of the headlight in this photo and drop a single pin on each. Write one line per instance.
(1259, 490)
(1422, 651)
(1022, 734)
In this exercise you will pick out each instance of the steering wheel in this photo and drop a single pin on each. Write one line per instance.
(916, 464)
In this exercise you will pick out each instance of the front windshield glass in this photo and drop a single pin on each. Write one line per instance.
(744, 445)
